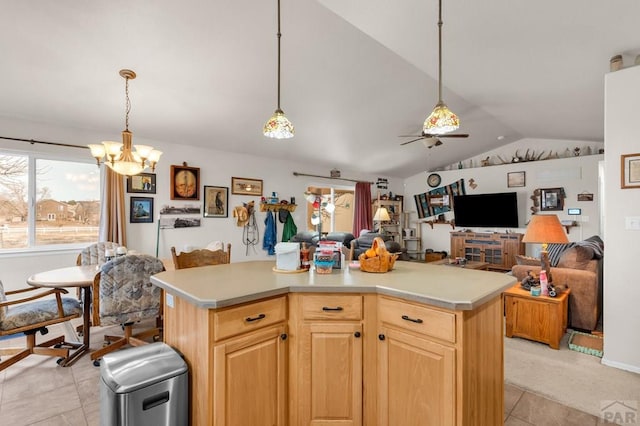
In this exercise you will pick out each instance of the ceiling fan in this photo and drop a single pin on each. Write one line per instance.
(442, 120)
(432, 140)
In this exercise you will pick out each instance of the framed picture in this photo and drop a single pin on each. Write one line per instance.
(516, 179)
(185, 183)
(585, 196)
(630, 171)
(551, 199)
(216, 201)
(144, 183)
(246, 186)
(141, 210)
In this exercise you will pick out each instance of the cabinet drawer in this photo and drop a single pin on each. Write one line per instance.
(420, 319)
(342, 307)
(241, 319)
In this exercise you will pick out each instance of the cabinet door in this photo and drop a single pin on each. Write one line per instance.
(512, 247)
(457, 245)
(331, 376)
(249, 377)
(528, 318)
(416, 381)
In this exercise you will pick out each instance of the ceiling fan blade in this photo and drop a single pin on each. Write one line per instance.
(409, 136)
(407, 142)
(452, 135)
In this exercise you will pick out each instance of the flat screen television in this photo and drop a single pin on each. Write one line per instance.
(498, 210)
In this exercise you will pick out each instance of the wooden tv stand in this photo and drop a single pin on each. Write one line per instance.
(498, 249)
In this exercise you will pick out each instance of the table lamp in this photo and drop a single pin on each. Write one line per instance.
(544, 229)
(381, 215)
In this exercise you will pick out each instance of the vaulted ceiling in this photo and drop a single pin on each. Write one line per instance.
(355, 73)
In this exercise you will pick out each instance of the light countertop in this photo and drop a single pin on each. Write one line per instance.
(227, 285)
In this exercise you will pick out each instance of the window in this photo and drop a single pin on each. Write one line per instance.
(46, 202)
(338, 220)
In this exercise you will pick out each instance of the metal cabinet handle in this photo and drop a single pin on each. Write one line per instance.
(416, 320)
(337, 308)
(357, 334)
(283, 336)
(381, 336)
(258, 318)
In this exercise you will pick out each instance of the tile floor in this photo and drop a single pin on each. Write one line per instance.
(36, 391)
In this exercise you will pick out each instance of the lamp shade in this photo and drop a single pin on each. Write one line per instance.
(545, 228)
(381, 214)
(442, 120)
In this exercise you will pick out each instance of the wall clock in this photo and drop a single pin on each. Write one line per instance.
(185, 183)
(433, 180)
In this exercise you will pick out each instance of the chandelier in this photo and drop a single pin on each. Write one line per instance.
(119, 156)
(278, 126)
(442, 120)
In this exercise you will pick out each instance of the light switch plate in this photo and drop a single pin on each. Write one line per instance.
(632, 222)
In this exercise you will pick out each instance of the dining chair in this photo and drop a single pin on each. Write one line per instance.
(126, 296)
(32, 313)
(200, 257)
(94, 254)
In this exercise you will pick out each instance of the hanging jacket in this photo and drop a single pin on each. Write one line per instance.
(289, 230)
(270, 234)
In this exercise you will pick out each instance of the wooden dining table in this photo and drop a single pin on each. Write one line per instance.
(72, 276)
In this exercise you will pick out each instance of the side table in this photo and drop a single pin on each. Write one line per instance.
(539, 318)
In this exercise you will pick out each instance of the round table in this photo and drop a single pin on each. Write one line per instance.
(72, 276)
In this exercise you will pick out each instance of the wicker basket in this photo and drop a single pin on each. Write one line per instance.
(382, 262)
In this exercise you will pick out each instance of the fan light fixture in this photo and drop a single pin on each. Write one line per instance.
(278, 126)
(119, 156)
(442, 120)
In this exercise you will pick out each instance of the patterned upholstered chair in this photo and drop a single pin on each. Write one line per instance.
(94, 253)
(200, 257)
(32, 313)
(126, 296)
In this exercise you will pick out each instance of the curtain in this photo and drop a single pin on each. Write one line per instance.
(362, 217)
(112, 216)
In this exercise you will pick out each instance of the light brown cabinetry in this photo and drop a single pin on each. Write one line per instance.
(439, 366)
(318, 359)
(539, 318)
(327, 360)
(237, 360)
(497, 249)
(249, 379)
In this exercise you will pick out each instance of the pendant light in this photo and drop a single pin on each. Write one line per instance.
(278, 126)
(442, 120)
(119, 156)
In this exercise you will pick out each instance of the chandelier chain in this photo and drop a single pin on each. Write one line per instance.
(440, 51)
(127, 103)
(279, 36)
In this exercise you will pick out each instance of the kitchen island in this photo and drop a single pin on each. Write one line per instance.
(347, 348)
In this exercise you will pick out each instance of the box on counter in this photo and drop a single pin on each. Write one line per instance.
(288, 256)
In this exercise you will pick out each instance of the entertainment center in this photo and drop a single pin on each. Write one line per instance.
(499, 250)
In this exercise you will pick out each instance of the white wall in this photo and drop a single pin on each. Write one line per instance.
(216, 168)
(622, 289)
(574, 174)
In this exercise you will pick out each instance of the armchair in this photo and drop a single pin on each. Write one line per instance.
(365, 241)
(32, 314)
(126, 296)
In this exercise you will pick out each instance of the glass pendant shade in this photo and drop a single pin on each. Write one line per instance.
(442, 120)
(278, 126)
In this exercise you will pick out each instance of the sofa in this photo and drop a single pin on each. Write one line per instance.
(365, 241)
(578, 266)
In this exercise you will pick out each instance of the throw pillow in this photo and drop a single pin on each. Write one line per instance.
(526, 260)
(575, 258)
(555, 251)
(595, 245)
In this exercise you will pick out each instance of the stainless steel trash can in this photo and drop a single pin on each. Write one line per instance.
(144, 386)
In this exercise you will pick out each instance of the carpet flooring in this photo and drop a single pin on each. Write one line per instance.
(571, 378)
